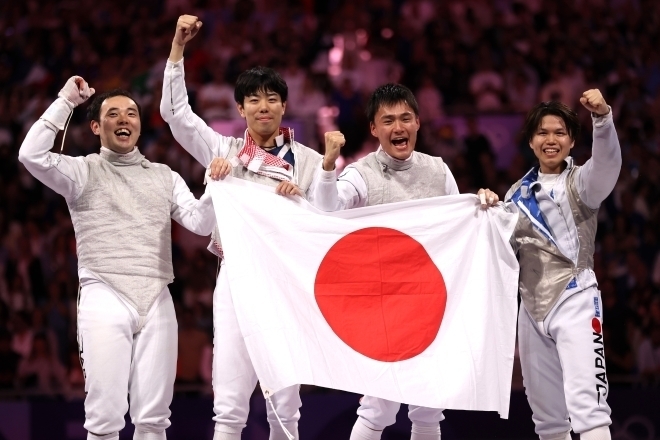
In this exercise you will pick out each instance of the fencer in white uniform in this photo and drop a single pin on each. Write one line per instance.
(269, 155)
(560, 321)
(121, 207)
(394, 173)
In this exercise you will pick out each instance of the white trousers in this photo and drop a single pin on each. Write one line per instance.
(563, 365)
(122, 360)
(378, 413)
(234, 378)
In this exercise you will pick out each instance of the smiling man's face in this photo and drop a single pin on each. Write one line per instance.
(263, 113)
(396, 128)
(551, 144)
(119, 124)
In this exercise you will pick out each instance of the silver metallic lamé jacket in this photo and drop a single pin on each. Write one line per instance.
(545, 271)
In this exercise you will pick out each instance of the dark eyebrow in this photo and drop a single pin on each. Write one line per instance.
(268, 95)
(392, 116)
(117, 108)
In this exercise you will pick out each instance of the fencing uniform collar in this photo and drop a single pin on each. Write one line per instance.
(387, 161)
(131, 158)
(532, 176)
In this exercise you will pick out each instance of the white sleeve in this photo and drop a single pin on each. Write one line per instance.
(451, 188)
(329, 193)
(194, 135)
(195, 215)
(597, 177)
(65, 175)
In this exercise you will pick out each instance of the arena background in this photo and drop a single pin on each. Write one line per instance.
(475, 65)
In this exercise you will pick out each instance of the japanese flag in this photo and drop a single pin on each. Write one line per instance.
(413, 302)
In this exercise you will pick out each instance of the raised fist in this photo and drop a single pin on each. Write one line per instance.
(187, 27)
(593, 101)
(334, 140)
(76, 91)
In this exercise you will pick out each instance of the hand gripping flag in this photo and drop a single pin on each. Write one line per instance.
(413, 302)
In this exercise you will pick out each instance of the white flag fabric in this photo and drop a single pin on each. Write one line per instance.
(413, 302)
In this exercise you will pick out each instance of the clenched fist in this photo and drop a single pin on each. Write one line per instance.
(593, 101)
(186, 28)
(334, 140)
(76, 91)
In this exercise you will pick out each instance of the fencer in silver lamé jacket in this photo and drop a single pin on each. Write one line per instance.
(560, 262)
(545, 271)
(391, 180)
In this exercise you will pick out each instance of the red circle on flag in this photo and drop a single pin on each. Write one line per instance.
(595, 323)
(381, 293)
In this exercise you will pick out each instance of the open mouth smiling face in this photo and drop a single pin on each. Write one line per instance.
(119, 124)
(123, 134)
(396, 128)
(400, 142)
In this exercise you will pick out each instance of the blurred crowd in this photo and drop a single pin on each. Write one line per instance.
(462, 59)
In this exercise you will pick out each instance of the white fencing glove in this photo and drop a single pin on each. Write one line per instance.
(76, 91)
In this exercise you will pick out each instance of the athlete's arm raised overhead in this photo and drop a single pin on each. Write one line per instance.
(187, 27)
(597, 177)
(63, 174)
(194, 135)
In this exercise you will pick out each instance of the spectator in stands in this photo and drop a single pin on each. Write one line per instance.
(304, 104)
(557, 89)
(75, 374)
(40, 327)
(41, 370)
(430, 101)
(350, 119)
(479, 155)
(521, 93)
(22, 334)
(620, 357)
(9, 360)
(17, 297)
(58, 318)
(216, 97)
(439, 39)
(648, 357)
(486, 86)
(418, 13)
(192, 341)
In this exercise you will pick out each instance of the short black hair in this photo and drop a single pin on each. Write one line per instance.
(390, 94)
(554, 108)
(94, 109)
(259, 79)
